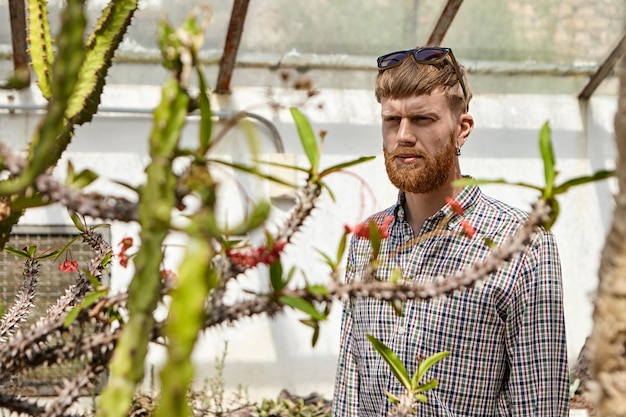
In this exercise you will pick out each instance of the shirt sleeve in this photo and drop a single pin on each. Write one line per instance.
(346, 392)
(536, 343)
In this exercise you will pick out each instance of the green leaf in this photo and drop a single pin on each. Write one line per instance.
(341, 249)
(554, 205)
(276, 275)
(374, 238)
(420, 397)
(597, 176)
(396, 275)
(307, 138)
(255, 219)
(32, 250)
(252, 170)
(78, 222)
(427, 363)
(48, 255)
(396, 365)
(464, 182)
(87, 302)
(302, 305)
(392, 398)
(17, 252)
(547, 154)
(427, 386)
(318, 290)
(343, 165)
(206, 121)
(329, 261)
(80, 180)
(398, 307)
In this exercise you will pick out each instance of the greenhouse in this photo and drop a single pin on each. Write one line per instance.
(182, 184)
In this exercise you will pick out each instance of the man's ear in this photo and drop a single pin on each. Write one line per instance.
(466, 125)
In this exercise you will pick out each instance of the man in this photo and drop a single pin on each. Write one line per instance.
(506, 337)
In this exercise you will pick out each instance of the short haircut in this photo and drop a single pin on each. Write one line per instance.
(411, 78)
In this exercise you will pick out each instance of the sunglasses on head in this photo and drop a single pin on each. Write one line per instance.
(430, 55)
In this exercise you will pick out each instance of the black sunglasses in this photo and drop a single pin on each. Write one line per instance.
(429, 55)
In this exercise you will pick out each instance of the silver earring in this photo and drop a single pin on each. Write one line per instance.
(458, 151)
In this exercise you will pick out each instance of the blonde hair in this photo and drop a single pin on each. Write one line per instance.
(411, 78)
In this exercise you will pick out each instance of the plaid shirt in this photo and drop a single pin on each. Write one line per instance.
(506, 336)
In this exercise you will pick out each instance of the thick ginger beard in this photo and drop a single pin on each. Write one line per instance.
(425, 176)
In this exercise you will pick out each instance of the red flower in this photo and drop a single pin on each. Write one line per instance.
(251, 257)
(454, 205)
(363, 229)
(469, 229)
(68, 266)
(167, 275)
(126, 243)
(123, 259)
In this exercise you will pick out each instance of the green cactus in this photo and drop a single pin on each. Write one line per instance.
(156, 202)
(40, 41)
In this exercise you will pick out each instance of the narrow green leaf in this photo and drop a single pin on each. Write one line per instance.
(71, 316)
(276, 275)
(397, 307)
(395, 364)
(392, 398)
(396, 275)
(428, 362)
(206, 121)
(341, 248)
(252, 170)
(48, 255)
(344, 165)
(374, 238)
(32, 250)
(17, 252)
(307, 138)
(420, 397)
(597, 176)
(78, 222)
(329, 261)
(547, 154)
(464, 182)
(427, 386)
(82, 179)
(255, 219)
(318, 290)
(302, 305)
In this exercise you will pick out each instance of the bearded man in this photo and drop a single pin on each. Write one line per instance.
(507, 337)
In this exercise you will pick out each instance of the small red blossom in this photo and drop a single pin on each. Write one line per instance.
(251, 257)
(469, 229)
(68, 266)
(123, 259)
(454, 205)
(126, 243)
(363, 229)
(167, 275)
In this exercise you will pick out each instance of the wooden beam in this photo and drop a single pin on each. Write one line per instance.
(233, 38)
(604, 69)
(444, 22)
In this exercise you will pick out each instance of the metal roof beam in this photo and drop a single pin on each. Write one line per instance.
(233, 38)
(444, 22)
(604, 69)
(17, 12)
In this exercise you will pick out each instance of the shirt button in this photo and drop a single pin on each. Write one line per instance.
(400, 330)
(406, 238)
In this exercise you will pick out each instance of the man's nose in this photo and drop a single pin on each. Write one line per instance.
(405, 135)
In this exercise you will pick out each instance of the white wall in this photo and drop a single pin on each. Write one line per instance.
(268, 355)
